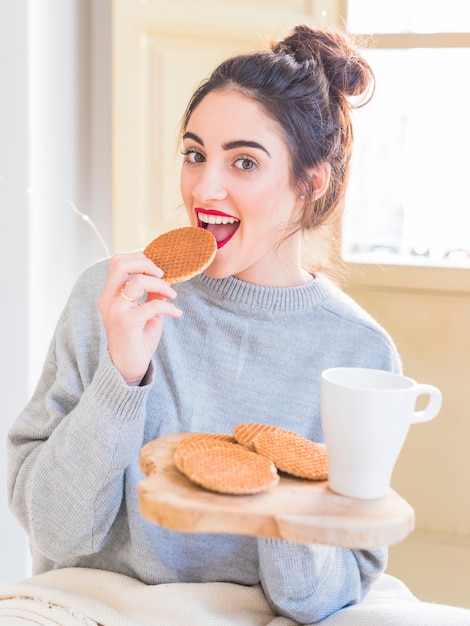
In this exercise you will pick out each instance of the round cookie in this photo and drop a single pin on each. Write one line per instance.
(245, 433)
(183, 252)
(293, 454)
(230, 469)
(201, 442)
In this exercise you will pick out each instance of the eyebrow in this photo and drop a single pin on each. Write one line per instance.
(244, 143)
(230, 145)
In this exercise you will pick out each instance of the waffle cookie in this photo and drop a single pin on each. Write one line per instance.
(182, 253)
(202, 442)
(245, 433)
(293, 454)
(230, 470)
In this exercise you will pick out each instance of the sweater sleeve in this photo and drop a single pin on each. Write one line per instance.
(68, 449)
(308, 582)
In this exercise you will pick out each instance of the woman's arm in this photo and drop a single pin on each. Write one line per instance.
(69, 448)
(309, 582)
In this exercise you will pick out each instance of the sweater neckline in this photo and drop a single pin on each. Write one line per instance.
(267, 298)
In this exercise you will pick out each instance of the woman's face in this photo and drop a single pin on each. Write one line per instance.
(235, 180)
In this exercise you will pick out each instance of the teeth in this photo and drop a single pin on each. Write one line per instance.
(216, 219)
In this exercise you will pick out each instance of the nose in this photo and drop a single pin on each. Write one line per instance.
(209, 185)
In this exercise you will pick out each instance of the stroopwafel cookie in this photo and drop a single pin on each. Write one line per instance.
(202, 442)
(245, 433)
(182, 253)
(293, 454)
(231, 469)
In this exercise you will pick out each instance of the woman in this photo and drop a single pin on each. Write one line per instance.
(266, 141)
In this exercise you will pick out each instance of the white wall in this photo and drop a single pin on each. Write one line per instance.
(14, 257)
(54, 141)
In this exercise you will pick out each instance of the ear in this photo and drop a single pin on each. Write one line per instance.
(320, 179)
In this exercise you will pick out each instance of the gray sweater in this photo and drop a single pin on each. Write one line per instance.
(240, 353)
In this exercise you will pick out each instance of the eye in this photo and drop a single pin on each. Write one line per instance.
(245, 163)
(192, 156)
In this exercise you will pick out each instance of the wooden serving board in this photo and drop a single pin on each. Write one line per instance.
(296, 509)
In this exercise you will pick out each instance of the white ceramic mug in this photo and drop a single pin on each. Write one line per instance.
(366, 415)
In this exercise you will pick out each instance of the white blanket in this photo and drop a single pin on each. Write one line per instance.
(78, 596)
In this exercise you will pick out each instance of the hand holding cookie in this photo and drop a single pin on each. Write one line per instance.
(137, 295)
(132, 322)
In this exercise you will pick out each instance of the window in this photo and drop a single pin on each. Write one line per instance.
(409, 200)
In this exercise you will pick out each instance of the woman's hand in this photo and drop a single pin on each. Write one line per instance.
(133, 329)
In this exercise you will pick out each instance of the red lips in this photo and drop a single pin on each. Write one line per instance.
(223, 232)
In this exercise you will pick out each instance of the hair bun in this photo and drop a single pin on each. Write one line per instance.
(297, 44)
(334, 52)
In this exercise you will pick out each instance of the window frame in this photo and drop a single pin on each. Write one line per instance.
(405, 40)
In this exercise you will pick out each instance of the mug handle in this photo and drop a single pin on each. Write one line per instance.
(432, 408)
